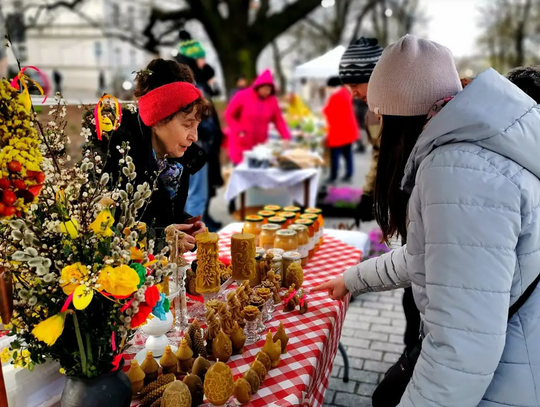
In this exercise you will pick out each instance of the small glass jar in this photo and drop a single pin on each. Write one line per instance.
(277, 265)
(253, 224)
(268, 235)
(265, 215)
(294, 209)
(289, 216)
(303, 242)
(287, 240)
(276, 252)
(288, 259)
(256, 279)
(277, 220)
(311, 233)
(316, 227)
(318, 212)
(273, 208)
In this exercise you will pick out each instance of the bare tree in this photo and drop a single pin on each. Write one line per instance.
(509, 25)
(238, 29)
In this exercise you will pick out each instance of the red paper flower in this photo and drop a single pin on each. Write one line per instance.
(140, 317)
(152, 296)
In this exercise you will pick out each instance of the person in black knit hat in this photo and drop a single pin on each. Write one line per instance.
(355, 69)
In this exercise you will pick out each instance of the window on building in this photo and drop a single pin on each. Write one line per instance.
(131, 17)
(115, 14)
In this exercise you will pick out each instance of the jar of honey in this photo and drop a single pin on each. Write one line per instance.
(316, 226)
(289, 216)
(268, 235)
(276, 252)
(277, 220)
(265, 215)
(253, 224)
(318, 212)
(277, 265)
(273, 208)
(303, 242)
(311, 233)
(288, 259)
(286, 240)
(294, 209)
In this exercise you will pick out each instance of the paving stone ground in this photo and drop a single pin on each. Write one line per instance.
(373, 337)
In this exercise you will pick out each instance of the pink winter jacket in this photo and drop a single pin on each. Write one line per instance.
(248, 117)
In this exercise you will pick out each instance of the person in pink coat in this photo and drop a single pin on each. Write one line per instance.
(249, 115)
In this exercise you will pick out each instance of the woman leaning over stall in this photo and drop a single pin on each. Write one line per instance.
(461, 181)
(161, 136)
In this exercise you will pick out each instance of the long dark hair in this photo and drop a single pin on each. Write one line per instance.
(398, 137)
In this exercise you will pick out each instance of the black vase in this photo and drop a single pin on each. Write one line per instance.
(111, 389)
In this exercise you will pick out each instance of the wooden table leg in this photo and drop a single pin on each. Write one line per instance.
(242, 206)
(307, 192)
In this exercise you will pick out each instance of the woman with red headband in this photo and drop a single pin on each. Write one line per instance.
(161, 137)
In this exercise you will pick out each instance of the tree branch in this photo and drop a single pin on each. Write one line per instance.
(365, 10)
(319, 27)
(272, 26)
(49, 7)
(157, 15)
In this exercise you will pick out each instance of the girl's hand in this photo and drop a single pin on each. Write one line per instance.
(336, 288)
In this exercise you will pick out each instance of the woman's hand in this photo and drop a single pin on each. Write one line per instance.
(336, 288)
(197, 228)
(188, 239)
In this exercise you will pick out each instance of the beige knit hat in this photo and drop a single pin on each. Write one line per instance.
(411, 76)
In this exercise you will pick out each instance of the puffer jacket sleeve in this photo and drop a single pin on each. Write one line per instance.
(471, 220)
(383, 273)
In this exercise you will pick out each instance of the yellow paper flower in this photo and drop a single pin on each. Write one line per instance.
(119, 281)
(71, 277)
(70, 227)
(136, 254)
(82, 297)
(102, 225)
(50, 330)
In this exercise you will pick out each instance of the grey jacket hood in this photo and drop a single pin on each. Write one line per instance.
(492, 113)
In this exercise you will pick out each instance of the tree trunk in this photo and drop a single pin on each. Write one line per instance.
(282, 79)
(237, 62)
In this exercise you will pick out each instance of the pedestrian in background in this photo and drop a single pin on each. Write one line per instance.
(342, 129)
(249, 115)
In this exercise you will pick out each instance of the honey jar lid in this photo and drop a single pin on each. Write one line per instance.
(316, 211)
(309, 216)
(292, 209)
(304, 221)
(298, 227)
(271, 226)
(258, 257)
(266, 214)
(253, 218)
(277, 219)
(260, 250)
(275, 208)
(287, 215)
(292, 256)
(286, 232)
(278, 258)
(276, 252)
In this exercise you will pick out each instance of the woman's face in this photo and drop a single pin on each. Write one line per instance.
(174, 137)
(264, 91)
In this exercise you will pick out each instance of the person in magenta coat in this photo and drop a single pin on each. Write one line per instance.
(249, 114)
(342, 129)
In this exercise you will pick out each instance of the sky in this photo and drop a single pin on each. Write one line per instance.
(453, 23)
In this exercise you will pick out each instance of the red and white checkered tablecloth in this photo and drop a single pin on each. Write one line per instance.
(301, 379)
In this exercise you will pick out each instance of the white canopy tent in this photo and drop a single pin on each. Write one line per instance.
(322, 67)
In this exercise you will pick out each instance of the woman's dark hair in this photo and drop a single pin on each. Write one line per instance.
(161, 72)
(398, 137)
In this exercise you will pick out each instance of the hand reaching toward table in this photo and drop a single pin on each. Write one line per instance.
(335, 287)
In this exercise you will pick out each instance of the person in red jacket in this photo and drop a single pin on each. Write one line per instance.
(342, 129)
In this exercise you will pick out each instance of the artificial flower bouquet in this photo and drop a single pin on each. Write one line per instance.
(73, 250)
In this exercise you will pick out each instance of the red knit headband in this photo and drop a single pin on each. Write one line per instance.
(166, 100)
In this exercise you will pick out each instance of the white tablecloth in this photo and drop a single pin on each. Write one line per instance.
(244, 178)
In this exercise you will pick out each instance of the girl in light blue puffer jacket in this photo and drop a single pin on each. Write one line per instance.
(465, 190)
